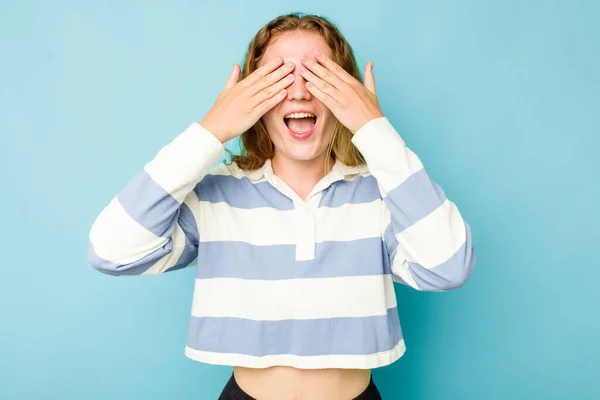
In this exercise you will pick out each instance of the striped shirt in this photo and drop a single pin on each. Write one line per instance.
(281, 280)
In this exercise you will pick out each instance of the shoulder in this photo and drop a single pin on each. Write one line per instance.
(224, 174)
(365, 186)
(222, 169)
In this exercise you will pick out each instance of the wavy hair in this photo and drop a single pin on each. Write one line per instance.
(256, 145)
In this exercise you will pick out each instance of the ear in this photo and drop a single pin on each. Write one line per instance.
(369, 77)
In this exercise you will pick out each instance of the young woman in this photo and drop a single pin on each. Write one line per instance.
(297, 240)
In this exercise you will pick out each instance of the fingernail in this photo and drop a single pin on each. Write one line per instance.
(318, 53)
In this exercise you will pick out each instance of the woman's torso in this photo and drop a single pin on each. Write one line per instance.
(287, 383)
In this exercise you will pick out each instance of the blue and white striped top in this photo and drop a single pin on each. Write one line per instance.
(281, 280)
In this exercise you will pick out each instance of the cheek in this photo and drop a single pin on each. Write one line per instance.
(328, 119)
(327, 112)
(269, 118)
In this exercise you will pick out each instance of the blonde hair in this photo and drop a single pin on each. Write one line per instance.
(256, 145)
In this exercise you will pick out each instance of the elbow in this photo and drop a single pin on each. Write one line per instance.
(460, 271)
(100, 264)
(460, 266)
(450, 275)
(447, 283)
(105, 269)
(456, 281)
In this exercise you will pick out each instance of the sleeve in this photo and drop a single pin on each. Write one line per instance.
(428, 244)
(151, 225)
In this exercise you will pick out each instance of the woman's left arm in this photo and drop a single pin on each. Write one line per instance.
(429, 244)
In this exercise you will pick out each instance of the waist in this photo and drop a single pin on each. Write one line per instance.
(284, 382)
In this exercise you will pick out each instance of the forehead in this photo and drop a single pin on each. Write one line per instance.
(291, 46)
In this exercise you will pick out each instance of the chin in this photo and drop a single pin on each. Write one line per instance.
(303, 157)
(304, 149)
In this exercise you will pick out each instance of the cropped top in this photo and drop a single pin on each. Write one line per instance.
(280, 280)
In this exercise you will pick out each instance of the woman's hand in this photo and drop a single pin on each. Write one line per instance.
(350, 102)
(241, 104)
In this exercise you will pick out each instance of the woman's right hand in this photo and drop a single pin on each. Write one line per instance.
(241, 104)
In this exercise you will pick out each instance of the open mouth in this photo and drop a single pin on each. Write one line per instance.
(300, 125)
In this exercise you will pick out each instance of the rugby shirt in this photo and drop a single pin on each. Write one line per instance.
(280, 280)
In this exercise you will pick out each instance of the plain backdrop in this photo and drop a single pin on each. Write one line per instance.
(500, 100)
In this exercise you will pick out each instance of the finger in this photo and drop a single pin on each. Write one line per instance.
(266, 105)
(324, 98)
(269, 91)
(271, 78)
(370, 77)
(323, 73)
(334, 67)
(323, 86)
(233, 77)
(263, 71)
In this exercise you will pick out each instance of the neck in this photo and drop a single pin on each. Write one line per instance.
(300, 174)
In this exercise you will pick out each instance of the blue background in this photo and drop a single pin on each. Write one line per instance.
(500, 100)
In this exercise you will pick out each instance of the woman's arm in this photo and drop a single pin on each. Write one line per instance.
(429, 244)
(151, 225)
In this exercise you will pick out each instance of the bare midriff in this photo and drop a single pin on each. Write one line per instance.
(288, 383)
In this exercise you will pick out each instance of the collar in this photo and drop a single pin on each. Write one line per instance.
(339, 170)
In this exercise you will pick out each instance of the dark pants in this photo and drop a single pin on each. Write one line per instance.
(232, 391)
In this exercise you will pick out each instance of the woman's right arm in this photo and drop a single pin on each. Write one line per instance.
(151, 225)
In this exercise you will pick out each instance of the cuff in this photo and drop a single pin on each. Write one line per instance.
(199, 146)
(376, 136)
(188, 157)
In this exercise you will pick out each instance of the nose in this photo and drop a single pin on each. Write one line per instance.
(297, 90)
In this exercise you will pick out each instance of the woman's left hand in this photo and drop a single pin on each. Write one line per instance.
(350, 102)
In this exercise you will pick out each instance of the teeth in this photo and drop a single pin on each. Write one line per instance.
(299, 115)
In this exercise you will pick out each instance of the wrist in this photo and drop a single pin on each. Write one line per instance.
(369, 119)
(214, 131)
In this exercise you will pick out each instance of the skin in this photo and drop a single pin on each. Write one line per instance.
(299, 163)
(334, 94)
